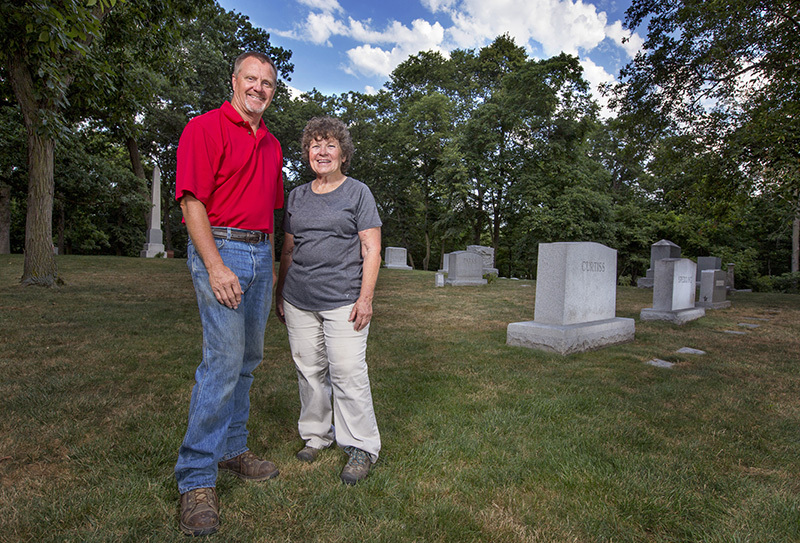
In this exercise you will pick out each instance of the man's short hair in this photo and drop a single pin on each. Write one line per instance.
(253, 54)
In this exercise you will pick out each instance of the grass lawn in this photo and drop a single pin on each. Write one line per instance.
(481, 441)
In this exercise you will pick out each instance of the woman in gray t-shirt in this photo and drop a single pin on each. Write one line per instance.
(329, 266)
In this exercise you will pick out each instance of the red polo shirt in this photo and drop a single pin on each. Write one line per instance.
(237, 176)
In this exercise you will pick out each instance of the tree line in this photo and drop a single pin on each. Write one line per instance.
(484, 146)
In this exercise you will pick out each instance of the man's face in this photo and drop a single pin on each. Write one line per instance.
(253, 86)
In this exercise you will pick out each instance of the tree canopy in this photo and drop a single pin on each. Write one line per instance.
(485, 146)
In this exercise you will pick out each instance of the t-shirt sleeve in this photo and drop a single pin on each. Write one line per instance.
(195, 168)
(367, 213)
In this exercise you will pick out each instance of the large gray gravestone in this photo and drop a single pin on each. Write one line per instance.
(713, 290)
(707, 263)
(674, 292)
(397, 258)
(576, 296)
(487, 254)
(154, 246)
(465, 268)
(658, 251)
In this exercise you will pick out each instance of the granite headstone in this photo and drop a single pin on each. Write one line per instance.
(575, 306)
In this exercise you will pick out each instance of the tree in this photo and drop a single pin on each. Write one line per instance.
(731, 69)
(43, 48)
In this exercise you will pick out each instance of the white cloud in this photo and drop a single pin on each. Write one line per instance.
(631, 43)
(558, 25)
(438, 5)
(320, 27)
(327, 6)
(374, 61)
(543, 27)
(596, 76)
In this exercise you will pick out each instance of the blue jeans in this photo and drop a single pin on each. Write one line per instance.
(233, 345)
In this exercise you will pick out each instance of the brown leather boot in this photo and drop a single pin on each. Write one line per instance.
(199, 512)
(249, 466)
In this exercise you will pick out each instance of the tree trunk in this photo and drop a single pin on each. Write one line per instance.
(40, 263)
(427, 259)
(5, 219)
(796, 240)
(61, 228)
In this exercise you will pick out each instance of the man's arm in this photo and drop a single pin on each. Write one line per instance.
(224, 283)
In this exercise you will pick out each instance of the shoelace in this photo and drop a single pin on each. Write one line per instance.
(357, 457)
(204, 495)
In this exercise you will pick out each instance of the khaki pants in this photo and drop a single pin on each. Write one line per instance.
(335, 396)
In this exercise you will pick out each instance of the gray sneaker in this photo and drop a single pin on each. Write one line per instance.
(357, 467)
(307, 454)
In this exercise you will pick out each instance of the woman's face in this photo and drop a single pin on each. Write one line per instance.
(325, 156)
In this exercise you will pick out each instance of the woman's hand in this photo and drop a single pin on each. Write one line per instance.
(279, 308)
(361, 314)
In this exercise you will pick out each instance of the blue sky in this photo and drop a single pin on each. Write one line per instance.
(355, 44)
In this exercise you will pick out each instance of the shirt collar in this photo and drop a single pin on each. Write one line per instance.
(233, 115)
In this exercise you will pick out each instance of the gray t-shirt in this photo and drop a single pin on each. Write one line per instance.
(326, 264)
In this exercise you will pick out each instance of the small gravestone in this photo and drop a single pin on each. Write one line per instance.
(465, 269)
(657, 362)
(575, 307)
(689, 350)
(487, 254)
(749, 325)
(658, 251)
(154, 247)
(438, 280)
(713, 292)
(730, 279)
(707, 263)
(674, 292)
(396, 258)
(445, 263)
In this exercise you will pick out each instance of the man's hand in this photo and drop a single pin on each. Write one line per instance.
(225, 285)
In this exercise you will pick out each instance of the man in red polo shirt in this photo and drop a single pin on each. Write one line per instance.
(228, 183)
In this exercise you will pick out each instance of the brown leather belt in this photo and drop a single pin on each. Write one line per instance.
(235, 234)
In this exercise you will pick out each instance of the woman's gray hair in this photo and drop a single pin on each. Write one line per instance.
(320, 128)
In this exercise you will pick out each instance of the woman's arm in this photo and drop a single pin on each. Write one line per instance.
(371, 253)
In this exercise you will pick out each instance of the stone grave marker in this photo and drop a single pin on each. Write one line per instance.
(707, 263)
(487, 254)
(658, 251)
(396, 258)
(445, 263)
(713, 291)
(575, 306)
(154, 246)
(465, 269)
(674, 292)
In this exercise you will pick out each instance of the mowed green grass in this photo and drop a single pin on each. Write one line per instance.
(481, 441)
